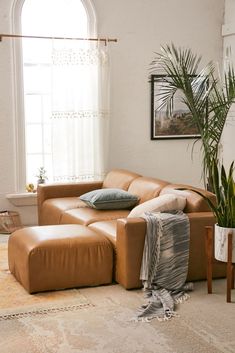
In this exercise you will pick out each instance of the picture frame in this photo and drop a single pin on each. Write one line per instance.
(177, 126)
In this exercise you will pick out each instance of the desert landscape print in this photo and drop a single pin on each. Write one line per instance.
(177, 125)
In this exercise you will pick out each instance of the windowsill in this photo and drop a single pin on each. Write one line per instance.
(23, 199)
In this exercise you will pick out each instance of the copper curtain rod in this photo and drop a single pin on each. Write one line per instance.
(68, 38)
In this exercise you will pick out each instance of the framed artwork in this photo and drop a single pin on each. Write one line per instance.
(177, 126)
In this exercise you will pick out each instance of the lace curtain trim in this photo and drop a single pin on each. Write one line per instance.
(79, 57)
(79, 177)
(80, 114)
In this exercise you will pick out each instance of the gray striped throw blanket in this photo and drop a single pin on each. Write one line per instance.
(164, 264)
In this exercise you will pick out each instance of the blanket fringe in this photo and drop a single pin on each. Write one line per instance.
(168, 316)
(182, 299)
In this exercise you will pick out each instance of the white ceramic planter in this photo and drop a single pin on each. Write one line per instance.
(221, 243)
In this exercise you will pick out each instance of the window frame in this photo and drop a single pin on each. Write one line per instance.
(18, 88)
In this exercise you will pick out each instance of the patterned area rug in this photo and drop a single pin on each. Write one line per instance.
(16, 302)
(205, 325)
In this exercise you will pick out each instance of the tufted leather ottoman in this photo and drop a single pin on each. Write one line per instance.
(59, 256)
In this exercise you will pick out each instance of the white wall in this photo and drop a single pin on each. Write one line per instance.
(141, 26)
(229, 44)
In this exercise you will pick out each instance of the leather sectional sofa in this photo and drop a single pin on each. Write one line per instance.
(60, 204)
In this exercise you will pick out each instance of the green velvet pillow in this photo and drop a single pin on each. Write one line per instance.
(109, 199)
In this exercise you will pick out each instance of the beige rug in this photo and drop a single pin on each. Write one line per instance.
(206, 325)
(16, 302)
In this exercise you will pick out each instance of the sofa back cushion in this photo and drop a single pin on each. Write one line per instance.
(119, 178)
(194, 202)
(146, 188)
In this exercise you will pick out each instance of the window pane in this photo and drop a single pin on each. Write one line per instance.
(37, 79)
(34, 139)
(40, 53)
(47, 138)
(33, 108)
(54, 18)
(33, 163)
(65, 18)
(46, 105)
(48, 166)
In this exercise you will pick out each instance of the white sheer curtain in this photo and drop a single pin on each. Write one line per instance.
(80, 110)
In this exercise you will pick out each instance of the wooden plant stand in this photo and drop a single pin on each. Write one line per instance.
(210, 260)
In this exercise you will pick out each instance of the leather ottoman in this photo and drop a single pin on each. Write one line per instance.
(60, 256)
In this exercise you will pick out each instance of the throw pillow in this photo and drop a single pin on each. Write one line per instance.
(167, 202)
(109, 199)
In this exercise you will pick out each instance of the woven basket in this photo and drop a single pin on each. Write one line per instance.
(9, 222)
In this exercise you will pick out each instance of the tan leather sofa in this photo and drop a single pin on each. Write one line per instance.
(60, 204)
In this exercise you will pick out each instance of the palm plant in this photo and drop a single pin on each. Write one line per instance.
(224, 187)
(207, 96)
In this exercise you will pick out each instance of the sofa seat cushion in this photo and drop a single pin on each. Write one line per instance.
(194, 202)
(52, 209)
(87, 216)
(107, 228)
(146, 188)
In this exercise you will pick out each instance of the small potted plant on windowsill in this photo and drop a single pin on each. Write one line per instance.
(42, 177)
(223, 209)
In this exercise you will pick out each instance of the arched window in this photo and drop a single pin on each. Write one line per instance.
(44, 18)
(62, 107)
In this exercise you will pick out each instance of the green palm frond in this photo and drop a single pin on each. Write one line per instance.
(224, 187)
(205, 95)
